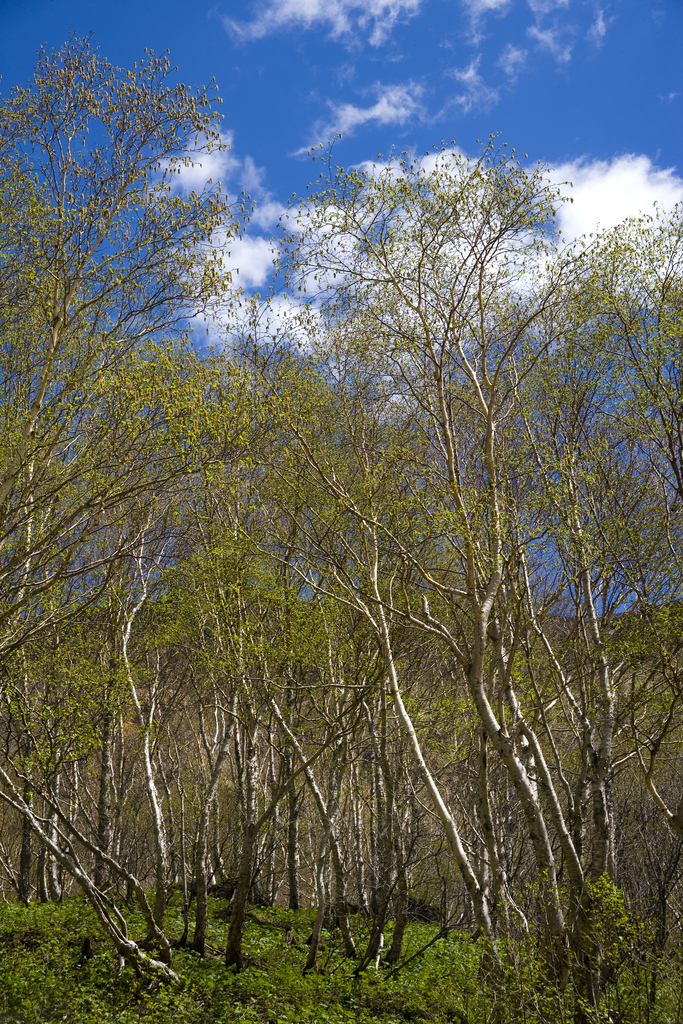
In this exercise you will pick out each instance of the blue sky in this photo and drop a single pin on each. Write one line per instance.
(593, 88)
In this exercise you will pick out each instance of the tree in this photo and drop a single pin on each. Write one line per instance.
(103, 260)
(638, 290)
(443, 277)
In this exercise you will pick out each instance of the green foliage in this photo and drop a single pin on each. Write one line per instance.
(465, 486)
(102, 259)
(44, 976)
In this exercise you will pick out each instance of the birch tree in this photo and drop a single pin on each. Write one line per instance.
(442, 272)
(103, 261)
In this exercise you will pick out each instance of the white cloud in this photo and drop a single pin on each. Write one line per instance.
(598, 30)
(251, 260)
(344, 18)
(512, 61)
(267, 211)
(605, 193)
(477, 93)
(545, 6)
(443, 158)
(479, 8)
(251, 177)
(396, 104)
(234, 173)
(477, 11)
(220, 165)
(428, 162)
(283, 314)
(251, 256)
(549, 39)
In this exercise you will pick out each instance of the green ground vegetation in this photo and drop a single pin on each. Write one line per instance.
(56, 965)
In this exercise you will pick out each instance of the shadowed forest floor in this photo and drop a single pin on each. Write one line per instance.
(44, 976)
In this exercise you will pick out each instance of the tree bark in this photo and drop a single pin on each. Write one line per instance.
(26, 851)
(293, 805)
(104, 803)
(328, 817)
(233, 950)
(107, 913)
(321, 902)
(396, 947)
(200, 870)
(475, 892)
(357, 831)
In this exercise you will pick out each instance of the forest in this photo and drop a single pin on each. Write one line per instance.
(341, 659)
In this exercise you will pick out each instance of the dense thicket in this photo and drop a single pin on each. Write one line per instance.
(377, 612)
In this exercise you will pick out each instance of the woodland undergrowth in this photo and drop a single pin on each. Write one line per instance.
(56, 965)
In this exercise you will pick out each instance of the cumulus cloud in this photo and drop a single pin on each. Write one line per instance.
(550, 39)
(512, 61)
(234, 173)
(606, 192)
(250, 178)
(250, 257)
(218, 166)
(477, 93)
(395, 104)
(251, 260)
(374, 19)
